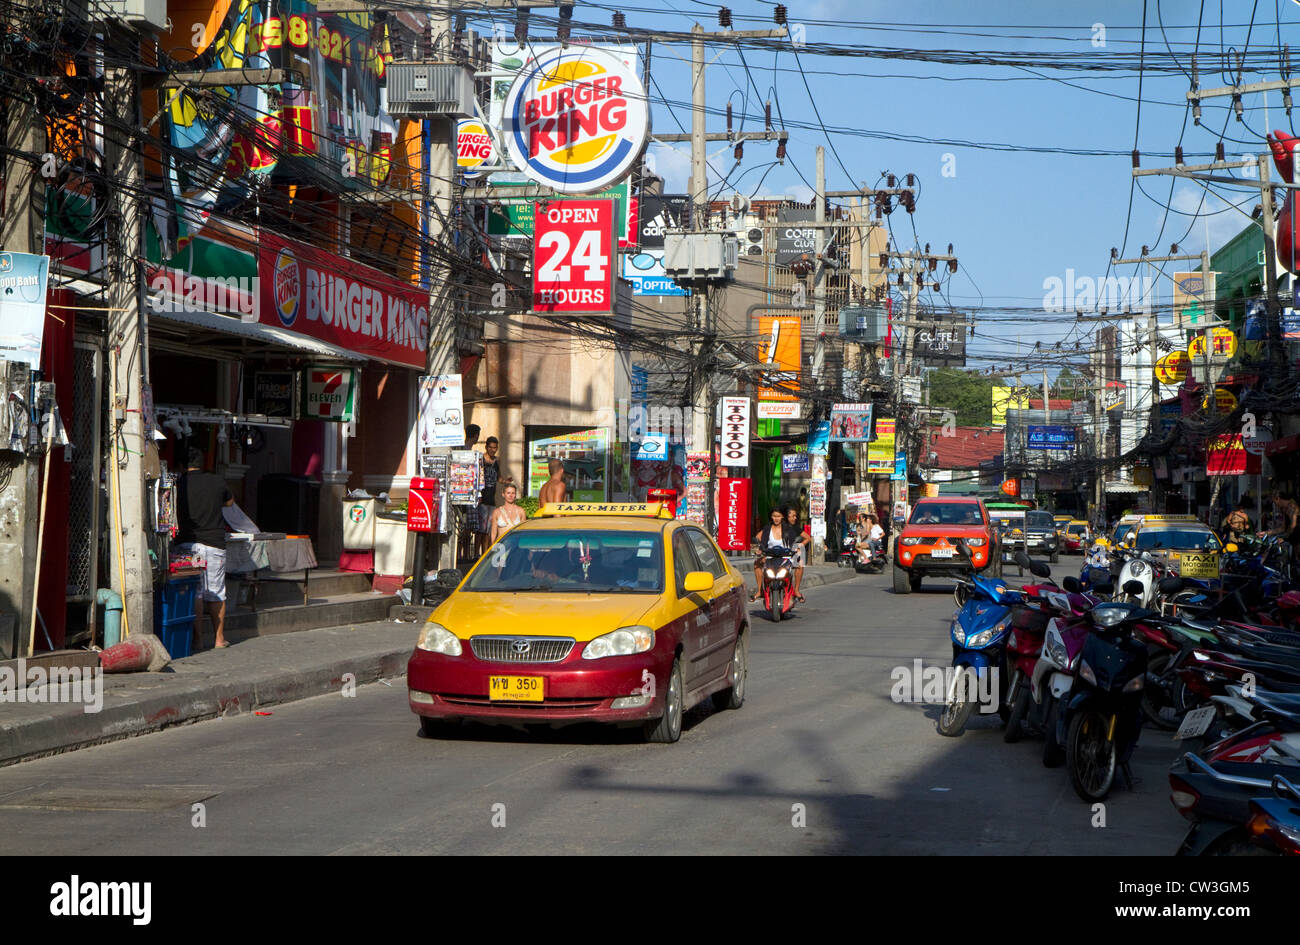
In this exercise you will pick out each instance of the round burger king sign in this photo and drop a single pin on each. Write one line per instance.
(576, 119)
(473, 146)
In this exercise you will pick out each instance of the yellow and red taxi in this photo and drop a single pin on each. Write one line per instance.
(946, 536)
(586, 612)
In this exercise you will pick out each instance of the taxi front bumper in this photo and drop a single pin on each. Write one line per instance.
(573, 690)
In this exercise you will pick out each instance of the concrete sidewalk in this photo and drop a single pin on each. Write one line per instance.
(246, 677)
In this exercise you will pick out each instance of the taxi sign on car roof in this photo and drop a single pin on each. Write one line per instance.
(652, 509)
(1170, 518)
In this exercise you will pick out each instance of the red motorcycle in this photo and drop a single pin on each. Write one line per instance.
(778, 582)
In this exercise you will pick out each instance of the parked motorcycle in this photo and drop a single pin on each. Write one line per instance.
(778, 582)
(1229, 806)
(979, 631)
(1101, 716)
(869, 560)
(848, 556)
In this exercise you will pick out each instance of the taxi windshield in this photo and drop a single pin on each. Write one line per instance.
(1121, 531)
(946, 513)
(1189, 539)
(572, 560)
(1076, 528)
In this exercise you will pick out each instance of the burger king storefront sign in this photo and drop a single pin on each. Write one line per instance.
(576, 119)
(342, 302)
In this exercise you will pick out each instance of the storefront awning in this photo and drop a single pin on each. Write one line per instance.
(258, 332)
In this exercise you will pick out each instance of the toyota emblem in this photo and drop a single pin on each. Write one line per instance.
(520, 646)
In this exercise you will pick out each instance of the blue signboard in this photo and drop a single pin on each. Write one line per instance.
(819, 437)
(1050, 438)
(646, 273)
(794, 462)
(900, 468)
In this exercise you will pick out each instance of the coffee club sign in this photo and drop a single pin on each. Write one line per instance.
(576, 119)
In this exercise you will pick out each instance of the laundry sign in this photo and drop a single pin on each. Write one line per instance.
(330, 394)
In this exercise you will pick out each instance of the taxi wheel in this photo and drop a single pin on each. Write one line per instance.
(668, 728)
(733, 697)
(436, 728)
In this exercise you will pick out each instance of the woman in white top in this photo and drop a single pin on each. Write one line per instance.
(507, 515)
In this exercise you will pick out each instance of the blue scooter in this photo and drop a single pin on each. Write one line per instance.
(979, 633)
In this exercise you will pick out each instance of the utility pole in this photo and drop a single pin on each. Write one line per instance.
(129, 566)
(22, 230)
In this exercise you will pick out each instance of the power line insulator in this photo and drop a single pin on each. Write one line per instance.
(620, 21)
(724, 18)
(740, 150)
(566, 11)
(1178, 155)
(1137, 158)
(521, 27)
(778, 15)
(767, 116)
(1218, 151)
(780, 151)
(728, 119)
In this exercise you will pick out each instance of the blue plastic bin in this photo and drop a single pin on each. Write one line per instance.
(174, 612)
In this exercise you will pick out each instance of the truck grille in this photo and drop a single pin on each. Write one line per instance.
(521, 649)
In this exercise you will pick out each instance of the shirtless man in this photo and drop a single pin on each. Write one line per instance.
(554, 489)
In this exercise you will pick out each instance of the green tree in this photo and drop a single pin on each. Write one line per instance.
(1067, 384)
(967, 394)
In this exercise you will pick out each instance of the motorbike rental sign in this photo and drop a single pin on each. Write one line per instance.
(576, 119)
(1200, 564)
(573, 250)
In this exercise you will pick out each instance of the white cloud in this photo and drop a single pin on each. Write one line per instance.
(672, 164)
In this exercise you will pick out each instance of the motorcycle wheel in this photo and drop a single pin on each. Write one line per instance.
(1019, 710)
(961, 703)
(1090, 756)
(961, 594)
(1154, 698)
(1052, 753)
(774, 605)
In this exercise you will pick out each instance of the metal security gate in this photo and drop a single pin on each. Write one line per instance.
(83, 500)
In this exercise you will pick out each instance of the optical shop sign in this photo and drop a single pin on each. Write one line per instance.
(341, 302)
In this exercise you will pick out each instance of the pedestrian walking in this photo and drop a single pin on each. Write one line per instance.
(202, 533)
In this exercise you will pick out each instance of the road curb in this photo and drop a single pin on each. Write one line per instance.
(68, 728)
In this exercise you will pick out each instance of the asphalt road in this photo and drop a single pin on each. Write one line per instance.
(819, 760)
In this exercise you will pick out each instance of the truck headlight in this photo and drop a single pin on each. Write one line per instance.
(436, 638)
(621, 642)
(910, 541)
(975, 542)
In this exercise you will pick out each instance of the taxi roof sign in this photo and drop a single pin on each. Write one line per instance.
(1170, 518)
(642, 509)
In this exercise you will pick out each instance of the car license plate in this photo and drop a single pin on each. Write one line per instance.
(515, 689)
(1196, 722)
(941, 552)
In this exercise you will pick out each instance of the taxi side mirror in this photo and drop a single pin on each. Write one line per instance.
(697, 582)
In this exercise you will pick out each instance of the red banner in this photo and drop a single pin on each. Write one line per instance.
(1226, 455)
(422, 509)
(341, 302)
(733, 514)
(573, 257)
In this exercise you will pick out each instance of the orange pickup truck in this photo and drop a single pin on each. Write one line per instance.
(947, 536)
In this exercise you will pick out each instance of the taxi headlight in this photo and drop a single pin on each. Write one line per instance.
(622, 642)
(438, 639)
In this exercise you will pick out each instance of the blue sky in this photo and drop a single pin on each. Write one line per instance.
(1016, 218)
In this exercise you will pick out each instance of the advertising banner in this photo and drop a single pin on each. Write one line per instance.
(780, 410)
(576, 118)
(880, 451)
(474, 147)
(794, 242)
(1226, 455)
(733, 514)
(819, 437)
(940, 341)
(1050, 438)
(735, 431)
(336, 300)
(659, 215)
(645, 270)
(780, 346)
(899, 473)
(850, 423)
(794, 462)
(584, 454)
(23, 280)
(1193, 299)
(514, 216)
(330, 394)
(442, 412)
(573, 257)
(1008, 398)
(275, 393)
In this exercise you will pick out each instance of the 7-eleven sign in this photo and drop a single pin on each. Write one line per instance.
(330, 393)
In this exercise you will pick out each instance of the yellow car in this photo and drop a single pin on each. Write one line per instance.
(587, 612)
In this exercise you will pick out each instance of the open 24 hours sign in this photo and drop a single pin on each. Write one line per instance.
(573, 257)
